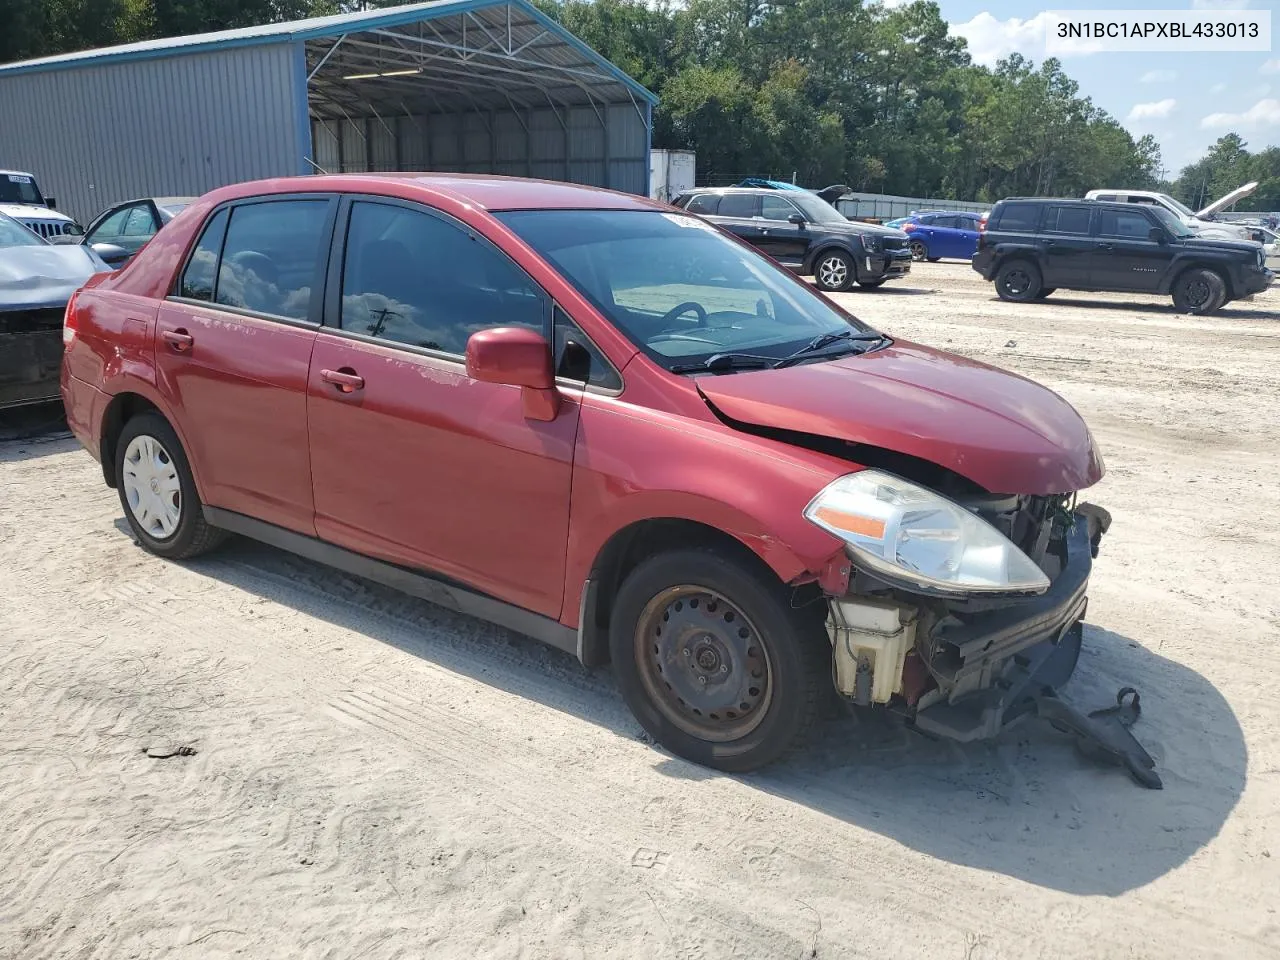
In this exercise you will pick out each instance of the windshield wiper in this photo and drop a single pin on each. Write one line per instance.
(726, 361)
(825, 340)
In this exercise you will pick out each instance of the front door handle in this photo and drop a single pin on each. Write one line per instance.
(345, 380)
(1106, 246)
(179, 340)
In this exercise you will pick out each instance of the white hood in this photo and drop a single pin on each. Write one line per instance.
(1238, 194)
(30, 211)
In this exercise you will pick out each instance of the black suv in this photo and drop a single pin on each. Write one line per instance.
(806, 234)
(1031, 247)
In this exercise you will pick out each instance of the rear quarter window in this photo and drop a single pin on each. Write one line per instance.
(197, 278)
(1023, 217)
(705, 203)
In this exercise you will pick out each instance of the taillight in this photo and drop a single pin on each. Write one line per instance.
(70, 322)
(908, 227)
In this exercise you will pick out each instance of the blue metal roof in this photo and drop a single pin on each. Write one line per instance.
(311, 29)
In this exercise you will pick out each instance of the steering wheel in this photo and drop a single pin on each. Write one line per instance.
(683, 308)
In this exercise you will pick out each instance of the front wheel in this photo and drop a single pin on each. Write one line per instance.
(714, 661)
(833, 271)
(918, 251)
(1019, 281)
(158, 492)
(871, 284)
(1046, 292)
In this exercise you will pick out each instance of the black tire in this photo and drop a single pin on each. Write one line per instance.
(1199, 290)
(933, 259)
(780, 658)
(918, 250)
(1047, 291)
(1018, 281)
(872, 284)
(191, 536)
(834, 271)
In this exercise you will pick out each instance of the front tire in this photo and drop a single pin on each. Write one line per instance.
(1047, 291)
(158, 493)
(834, 271)
(1199, 291)
(1018, 281)
(871, 284)
(918, 251)
(714, 661)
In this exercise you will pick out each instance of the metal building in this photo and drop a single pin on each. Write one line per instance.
(477, 86)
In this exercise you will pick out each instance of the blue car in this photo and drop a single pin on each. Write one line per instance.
(940, 234)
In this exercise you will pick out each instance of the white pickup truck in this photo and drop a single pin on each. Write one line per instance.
(20, 198)
(1200, 222)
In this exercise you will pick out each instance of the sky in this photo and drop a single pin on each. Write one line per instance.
(1185, 100)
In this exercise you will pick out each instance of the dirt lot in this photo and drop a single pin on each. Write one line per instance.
(376, 778)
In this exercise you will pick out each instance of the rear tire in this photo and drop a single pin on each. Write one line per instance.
(933, 259)
(1199, 291)
(158, 492)
(1018, 281)
(834, 271)
(714, 661)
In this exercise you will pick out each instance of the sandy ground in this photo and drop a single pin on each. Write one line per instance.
(376, 778)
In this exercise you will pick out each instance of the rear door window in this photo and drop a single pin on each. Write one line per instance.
(704, 203)
(271, 258)
(776, 208)
(1023, 217)
(1071, 220)
(1122, 223)
(740, 206)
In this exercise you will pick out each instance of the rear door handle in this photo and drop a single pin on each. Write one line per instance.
(345, 381)
(179, 339)
(1106, 246)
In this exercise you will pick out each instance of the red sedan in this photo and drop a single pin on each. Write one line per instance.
(517, 399)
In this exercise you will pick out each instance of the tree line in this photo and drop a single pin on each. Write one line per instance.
(828, 91)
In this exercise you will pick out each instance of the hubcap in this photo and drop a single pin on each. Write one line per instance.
(703, 664)
(1016, 283)
(151, 487)
(1197, 293)
(917, 251)
(832, 272)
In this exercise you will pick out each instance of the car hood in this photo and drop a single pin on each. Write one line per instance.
(32, 211)
(1003, 432)
(1221, 204)
(857, 227)
(1246, 248)
(44, 275)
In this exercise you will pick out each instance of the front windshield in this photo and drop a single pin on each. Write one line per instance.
(1172, 223)
(19, 188)
(677, 287)
(815, 208)
(14, 234)
(1185, 211)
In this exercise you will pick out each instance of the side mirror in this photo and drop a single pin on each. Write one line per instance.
(112, 254)
(798, 219)
(519, 357)
(1158, 235)
(51, 203)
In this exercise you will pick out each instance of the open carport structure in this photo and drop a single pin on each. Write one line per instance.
(477, 86)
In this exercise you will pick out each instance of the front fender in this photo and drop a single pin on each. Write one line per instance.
(634, 464)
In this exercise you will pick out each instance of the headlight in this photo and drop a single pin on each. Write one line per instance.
(908, 532)
(872, 244)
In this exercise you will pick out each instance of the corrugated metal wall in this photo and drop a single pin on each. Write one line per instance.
(571, 144)
(181, 125)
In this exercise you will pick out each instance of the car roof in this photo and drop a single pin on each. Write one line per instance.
(760, 191)
(483, 191)
(16, 173)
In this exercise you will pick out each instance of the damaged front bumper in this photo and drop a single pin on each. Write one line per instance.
(967, 675)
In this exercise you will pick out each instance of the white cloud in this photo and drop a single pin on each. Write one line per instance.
(1264, 113)
(1152, 111)
(991, 39)
(1219, 4)
(1160, 76)
(892, 4)
(1270, 66)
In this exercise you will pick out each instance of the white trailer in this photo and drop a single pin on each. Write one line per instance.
(670, 173)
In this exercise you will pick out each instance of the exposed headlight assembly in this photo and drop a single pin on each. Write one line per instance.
(871, 243)
(909, 534)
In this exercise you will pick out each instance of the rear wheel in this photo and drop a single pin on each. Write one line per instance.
(1018, 280)
(833, 271)
(1199, 290)
(158, 492)
(713, 660)
(918, 250)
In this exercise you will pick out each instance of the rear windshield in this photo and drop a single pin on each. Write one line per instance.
(1019, 216)
(19, 188)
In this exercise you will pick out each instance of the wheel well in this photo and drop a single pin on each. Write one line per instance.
(828, 248)
(1224, 275)
(625, 550)
(123, 408)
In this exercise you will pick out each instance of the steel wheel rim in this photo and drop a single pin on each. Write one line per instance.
(703, 663)
(1196, 293)
(832, 271)
(1017, 282)
(151, 487)
(917, 251)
